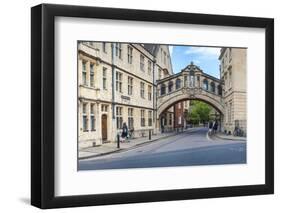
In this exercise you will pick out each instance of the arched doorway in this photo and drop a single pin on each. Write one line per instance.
(104, 127)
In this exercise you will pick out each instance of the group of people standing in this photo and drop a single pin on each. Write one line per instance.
(213, 127)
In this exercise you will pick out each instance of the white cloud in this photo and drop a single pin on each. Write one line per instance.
(171, 48)
(204, 51)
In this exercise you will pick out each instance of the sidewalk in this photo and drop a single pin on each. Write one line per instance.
(109, 148)
(229, 137)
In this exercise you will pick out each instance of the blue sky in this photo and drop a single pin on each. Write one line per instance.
(204, 57)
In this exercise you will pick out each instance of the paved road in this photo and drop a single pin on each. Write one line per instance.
(186, 149)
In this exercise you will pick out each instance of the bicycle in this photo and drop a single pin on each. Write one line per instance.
(131, 134)
(238, 132)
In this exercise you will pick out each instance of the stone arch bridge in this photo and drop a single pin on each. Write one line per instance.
(190, 84)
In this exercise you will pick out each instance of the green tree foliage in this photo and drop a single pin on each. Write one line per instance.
(199, 112)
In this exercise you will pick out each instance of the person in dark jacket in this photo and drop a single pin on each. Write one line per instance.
(215, 126)
(210, 124)
(162, 128)
(210, 128)
(124, 134)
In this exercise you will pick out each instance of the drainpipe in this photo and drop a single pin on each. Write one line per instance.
(113, 78)
(154, 96)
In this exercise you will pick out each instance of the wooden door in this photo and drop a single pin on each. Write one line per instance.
(104, 127)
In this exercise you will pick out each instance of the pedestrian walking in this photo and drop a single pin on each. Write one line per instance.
(210, 127)
(162, 128)
(124, 133)
(215, 127)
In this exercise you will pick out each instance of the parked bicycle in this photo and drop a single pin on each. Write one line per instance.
(238, 132)
(131, 133)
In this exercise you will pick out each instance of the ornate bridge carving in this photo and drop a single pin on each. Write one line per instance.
(191, 83)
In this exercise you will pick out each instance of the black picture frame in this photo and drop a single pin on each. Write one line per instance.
(43, 105)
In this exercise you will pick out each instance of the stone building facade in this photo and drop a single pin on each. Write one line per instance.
(233, 65)
(116, 84)
(135, 84)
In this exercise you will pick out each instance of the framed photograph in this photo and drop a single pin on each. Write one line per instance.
(136, 106)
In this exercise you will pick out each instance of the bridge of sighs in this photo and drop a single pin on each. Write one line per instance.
(190, 84)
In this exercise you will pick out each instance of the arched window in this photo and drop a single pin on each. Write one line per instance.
(213, 87)
(170, 86)
(163, 89)
(219, 90)
(178, 83)
(191, 79)
(185, 80)
(205, 84)
(198, 81)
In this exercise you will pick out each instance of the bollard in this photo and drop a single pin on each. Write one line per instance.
(118, 141)
(149, 135)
